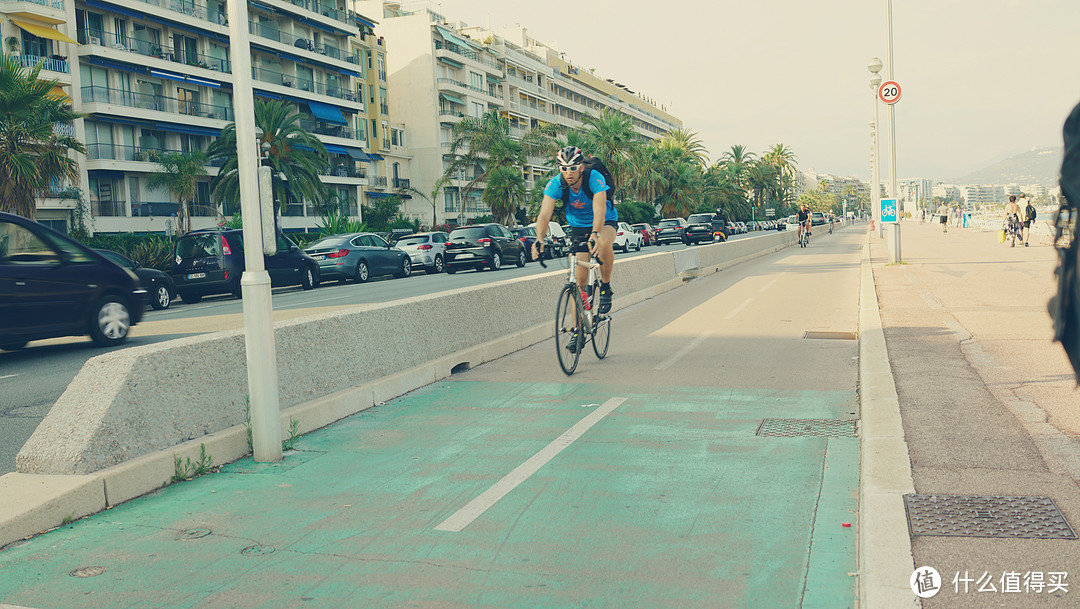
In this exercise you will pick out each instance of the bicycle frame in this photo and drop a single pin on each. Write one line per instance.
(571, 279)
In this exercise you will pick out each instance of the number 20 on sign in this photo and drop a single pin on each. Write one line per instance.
(889, 92)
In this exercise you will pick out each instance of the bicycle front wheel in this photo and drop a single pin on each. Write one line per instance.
(568, 342)
(601, 335)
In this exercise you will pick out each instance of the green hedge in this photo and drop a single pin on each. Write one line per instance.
(146, 249)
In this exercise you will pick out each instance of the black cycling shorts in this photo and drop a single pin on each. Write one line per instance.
(579, 236)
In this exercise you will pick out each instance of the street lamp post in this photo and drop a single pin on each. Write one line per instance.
(894, 229)
(875, 190)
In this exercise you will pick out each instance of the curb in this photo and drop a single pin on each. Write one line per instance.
(884, 546)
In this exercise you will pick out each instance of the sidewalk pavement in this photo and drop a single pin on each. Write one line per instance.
(989, 408)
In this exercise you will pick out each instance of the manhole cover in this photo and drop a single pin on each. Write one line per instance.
(830, 335)
(257, 550)
(88, 571)
(791, 428)
(974, 516)
(193, 534)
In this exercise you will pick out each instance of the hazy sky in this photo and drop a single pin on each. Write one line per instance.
(982, 79)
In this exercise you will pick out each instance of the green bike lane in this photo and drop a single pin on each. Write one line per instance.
(669, 499)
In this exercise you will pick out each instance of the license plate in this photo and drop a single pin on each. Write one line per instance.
(460, 256)
(196, 276)
(319, 257)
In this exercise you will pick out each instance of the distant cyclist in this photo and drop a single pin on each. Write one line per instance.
(803, 220)
(592, 221)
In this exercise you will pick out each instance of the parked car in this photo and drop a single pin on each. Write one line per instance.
(482, 245)
(51, 285)
(648, 233)
(159, 286)
(627, 239)
(358, 256)
(527, 236)
(671, 229)
(426, 250)
(699, 229)
(558, 235)
(209, 262)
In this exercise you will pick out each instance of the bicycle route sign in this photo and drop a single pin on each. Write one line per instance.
(889, 211)
(889, 92)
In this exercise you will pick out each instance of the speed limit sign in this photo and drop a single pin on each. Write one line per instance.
(889, 92)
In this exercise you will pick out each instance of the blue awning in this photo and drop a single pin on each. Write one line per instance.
(105, 63)
(169, 75)
(204, 82)
(189, 129)
(261, 6)
(327, 113)
(334, 148)
(316, 24)
(360, 19)
(115, 9)
(374, 157)
(357, 154)
(122, 121)
(452, 37)
(266, 94)
(385, 195)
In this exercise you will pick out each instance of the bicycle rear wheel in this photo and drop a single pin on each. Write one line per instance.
(566, 321)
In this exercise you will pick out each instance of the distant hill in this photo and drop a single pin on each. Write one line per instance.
(1036, 166)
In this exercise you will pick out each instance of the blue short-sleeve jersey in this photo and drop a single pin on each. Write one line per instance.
(579, 210)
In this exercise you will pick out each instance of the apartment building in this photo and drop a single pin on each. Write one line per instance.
(441, 73)
(155, 76)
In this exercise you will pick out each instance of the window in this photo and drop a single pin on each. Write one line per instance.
(369, 60)
(120, 32)
(394, 140)
(477, 110)
(20, 246)
(188, 101)
(476, 81)
(32, 45)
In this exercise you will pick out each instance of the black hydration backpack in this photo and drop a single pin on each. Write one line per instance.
(1030, 212)
(591, 163)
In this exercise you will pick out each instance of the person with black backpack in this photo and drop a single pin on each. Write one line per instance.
(584, 189)
(1027, 216)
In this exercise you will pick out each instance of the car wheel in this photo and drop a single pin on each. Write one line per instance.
(362, 273)
(406, 269)
(637, 247)
(190, 298)
(162, 298)
(521, 259)
(438, 268)
(110, 321)
(496, 261)
(307, 278)
(13, 346)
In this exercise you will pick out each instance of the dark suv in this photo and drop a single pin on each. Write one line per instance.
(51, 285)
(671, 229)
(212, 261)
(482, 245)
(699, 229)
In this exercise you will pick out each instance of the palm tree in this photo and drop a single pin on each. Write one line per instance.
(180, 173)
(761, 180)
(782, 159)
(612, 138)
(32, 154)
(645, 177)
(489, 147)
(688, 142)
(295, 156)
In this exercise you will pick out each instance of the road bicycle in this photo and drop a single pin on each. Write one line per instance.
(576, 309)
(804, 239)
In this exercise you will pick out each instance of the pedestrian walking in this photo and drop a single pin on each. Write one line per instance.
(1027, 216)
(943, 217)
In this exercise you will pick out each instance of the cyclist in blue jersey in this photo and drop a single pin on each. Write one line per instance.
(592, 221)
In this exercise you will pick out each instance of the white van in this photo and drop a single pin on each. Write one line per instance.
(556, 232)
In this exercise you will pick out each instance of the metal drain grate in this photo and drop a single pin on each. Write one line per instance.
(974, 516)
(830, 335)
(793, 428)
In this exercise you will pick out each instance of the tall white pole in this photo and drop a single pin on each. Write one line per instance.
(875, 194)
(255, 282)
(894, 229)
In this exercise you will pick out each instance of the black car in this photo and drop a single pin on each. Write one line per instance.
(482, 245)
(212, 261)
(527, 236)
(671, 229)
(157, 284)
(51, 285)
(699, 229)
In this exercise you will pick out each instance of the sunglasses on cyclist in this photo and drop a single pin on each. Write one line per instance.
(565, 168)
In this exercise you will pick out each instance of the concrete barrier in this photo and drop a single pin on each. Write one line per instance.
(125, 419)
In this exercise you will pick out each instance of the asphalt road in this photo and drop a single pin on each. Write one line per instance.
(33, 378)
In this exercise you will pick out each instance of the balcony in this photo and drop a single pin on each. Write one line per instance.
(378, 181)
(120, 152)
(401, 182)
(108, 208)
(277, 78)
(190, 8)
(343, 171)
(159, 103)
(57, 4)
(56, 63)
(325, 10)
(153, 49)
(321, 128)
(299, 42)
(466, 53)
